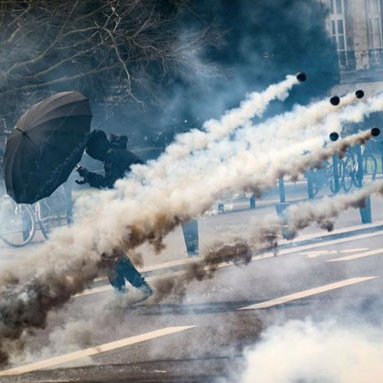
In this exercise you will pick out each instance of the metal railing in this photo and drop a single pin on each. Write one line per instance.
(347, 59)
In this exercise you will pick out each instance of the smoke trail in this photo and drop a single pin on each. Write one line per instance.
(302, 215)
(288, 124)
(253, 106)
(114, 222)
(309, 352)
(295, 166)
(252, 146)
(265, 237)
(309, 122)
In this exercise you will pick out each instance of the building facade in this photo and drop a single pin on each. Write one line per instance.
(355, 27)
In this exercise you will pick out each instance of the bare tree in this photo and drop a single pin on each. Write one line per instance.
(101, 47)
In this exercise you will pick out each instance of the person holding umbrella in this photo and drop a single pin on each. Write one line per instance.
(45, 146)
(117, 162)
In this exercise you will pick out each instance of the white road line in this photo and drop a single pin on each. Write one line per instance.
(346, 230)
(318, 253)
(62, 359)
(307, 293)
(314, 252)
(293, 250)
(346, 251)
(357, 256)
(95, 290)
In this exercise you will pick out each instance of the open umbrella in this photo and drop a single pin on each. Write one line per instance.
(45, 146)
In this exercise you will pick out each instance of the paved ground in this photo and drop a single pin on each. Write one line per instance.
(98, 338)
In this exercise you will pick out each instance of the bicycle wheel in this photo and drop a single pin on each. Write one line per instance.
(314, 182)
(370, 166)
(17, 223)
(349, 170)
(52, 211)
(339, 171)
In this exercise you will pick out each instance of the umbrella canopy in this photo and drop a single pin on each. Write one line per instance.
(45, 146)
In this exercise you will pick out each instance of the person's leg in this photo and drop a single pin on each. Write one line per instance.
(133, 276)
(116, 277)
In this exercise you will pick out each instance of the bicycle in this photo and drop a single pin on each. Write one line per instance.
(19, 222)
(330, 175)
(351, 164)
(343, 173)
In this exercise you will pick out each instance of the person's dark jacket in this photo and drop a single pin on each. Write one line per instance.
(116, 165)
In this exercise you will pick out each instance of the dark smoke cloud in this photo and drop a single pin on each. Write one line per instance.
(262, 41)
(24, 304)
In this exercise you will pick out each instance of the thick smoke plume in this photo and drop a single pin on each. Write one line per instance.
(309, 352)
(136, 212)
(264, 237)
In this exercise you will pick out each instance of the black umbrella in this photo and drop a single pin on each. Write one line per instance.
(45, 146)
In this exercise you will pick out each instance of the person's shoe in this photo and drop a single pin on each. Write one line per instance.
(121, 291)
(146, 290)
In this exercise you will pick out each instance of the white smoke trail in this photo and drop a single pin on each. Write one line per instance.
(300, 215)
(302, 351)
(308, 123)
(287, 125)
(281, 132)
(253, 106)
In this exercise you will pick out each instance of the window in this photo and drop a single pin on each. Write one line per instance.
(338, 30)
(337, 7)
(374, 24)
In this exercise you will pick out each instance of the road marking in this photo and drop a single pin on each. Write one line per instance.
(294, 250)
(318, 253)
(346, 251)
(357, 256)
(62, 359)
(307, 293)
(332, 242)
(95, 290)
(346, 230)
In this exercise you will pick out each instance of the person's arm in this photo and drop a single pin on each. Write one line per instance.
(97, 180)
(93, 179)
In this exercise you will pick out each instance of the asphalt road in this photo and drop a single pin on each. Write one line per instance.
(203, 335)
